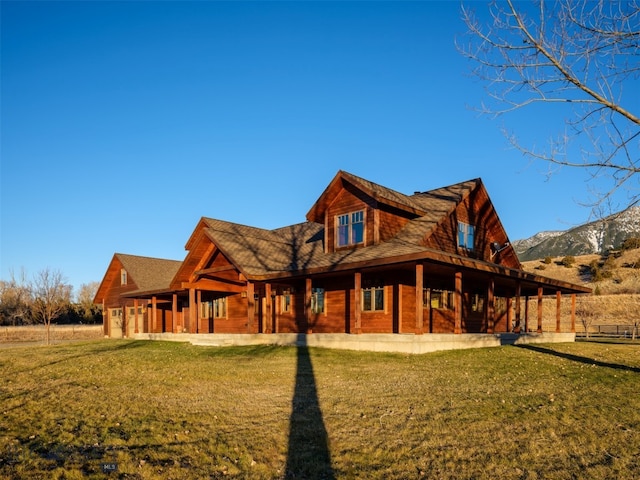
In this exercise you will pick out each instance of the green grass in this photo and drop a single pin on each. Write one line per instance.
(167, 410)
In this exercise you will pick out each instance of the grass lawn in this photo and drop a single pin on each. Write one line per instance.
(165, 410)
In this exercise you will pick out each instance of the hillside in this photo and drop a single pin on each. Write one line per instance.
(615, 274)
(588, 239)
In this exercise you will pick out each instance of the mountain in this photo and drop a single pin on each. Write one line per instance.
(590, 238)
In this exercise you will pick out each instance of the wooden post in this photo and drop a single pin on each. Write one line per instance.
(427, 312)
(174, 313)
(267, 319)
(573, 313)
(357, 301)
(509, 316)
(307, 302)
(458, 303)
(419, 299)
(192, 311)
(491, 306)
(199, 308)
(539, 310)
(526, 314)
(558, 313)
(518, 308)
(135, 316)
(251, 306)
(154, 313)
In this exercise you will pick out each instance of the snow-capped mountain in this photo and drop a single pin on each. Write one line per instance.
(593, 237)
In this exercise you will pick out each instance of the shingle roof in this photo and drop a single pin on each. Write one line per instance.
(149, 274)
(296, 248)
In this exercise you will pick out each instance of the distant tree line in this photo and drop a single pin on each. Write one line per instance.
(46, 299)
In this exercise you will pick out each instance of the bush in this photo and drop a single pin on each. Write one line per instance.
(630, 243)
(548, 260)
(568, 261)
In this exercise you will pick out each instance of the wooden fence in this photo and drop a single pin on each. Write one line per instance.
(38, 333)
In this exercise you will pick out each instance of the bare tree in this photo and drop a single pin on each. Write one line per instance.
(15, 299)
(581, 56)
(586, 313)
(50, 297)
(85, 300)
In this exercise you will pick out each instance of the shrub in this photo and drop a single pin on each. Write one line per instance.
(630, 243)
(547, 260)
(568, 261)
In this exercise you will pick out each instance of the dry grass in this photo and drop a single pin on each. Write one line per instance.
(38, 333)
(166, 410)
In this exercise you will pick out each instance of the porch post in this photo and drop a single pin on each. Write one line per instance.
(357, 301)
(573, 313)
(174, 313)
(419, 299)
(539, 310)
(526, 313)
(427, 306)
(251, 306)
(509, 316)
(154, 313)
(199, 309)
(458, 303)
(518, 309)
(307, 302)
(192, 311)
(491, 308)
(135, 315)
(266, 321)
(558, 305)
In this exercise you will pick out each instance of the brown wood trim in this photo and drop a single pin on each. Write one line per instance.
(558, 310)
(539, 310)
(221, 268)
(491, 309)
(458, 303)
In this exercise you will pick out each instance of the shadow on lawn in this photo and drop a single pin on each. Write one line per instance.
(578, 358)
(308, 453)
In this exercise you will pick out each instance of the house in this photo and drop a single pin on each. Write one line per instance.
(368, 260)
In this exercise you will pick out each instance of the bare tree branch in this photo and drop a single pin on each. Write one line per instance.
(582, 56)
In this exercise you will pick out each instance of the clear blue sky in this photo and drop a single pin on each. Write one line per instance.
(123, 123)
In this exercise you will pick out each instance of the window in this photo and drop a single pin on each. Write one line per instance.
(373, 299)
(465, 235)
(220, 307)
(441, 299)
(123, 277)
(116, 312)
(317, 300)
(477, 303)
(286, 301)
(206, 309)
(350, 228)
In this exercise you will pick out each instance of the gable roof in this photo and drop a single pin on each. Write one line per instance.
(260, 253)
(148, 274)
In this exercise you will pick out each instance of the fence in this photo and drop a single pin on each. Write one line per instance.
(621, 331)
(38, 333)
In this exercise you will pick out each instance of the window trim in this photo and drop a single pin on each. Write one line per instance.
(373, 290)
(349, 216)
(466, 236)
(315, 291)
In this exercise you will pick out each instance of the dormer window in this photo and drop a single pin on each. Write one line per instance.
(350, 228)
(465, 235)
(123, 277)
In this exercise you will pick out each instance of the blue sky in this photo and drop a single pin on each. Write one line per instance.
(123, 123)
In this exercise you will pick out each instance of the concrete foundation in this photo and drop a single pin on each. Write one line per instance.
(384, 342)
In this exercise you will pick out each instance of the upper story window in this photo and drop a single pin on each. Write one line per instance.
(465, 235)
(123, 277)
(350, 228)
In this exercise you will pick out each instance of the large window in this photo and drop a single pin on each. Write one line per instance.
(373, 299)
(350, 228)
(220, 307)
(317, 300)
(441, 299)
(465, 235)
(286, 301)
